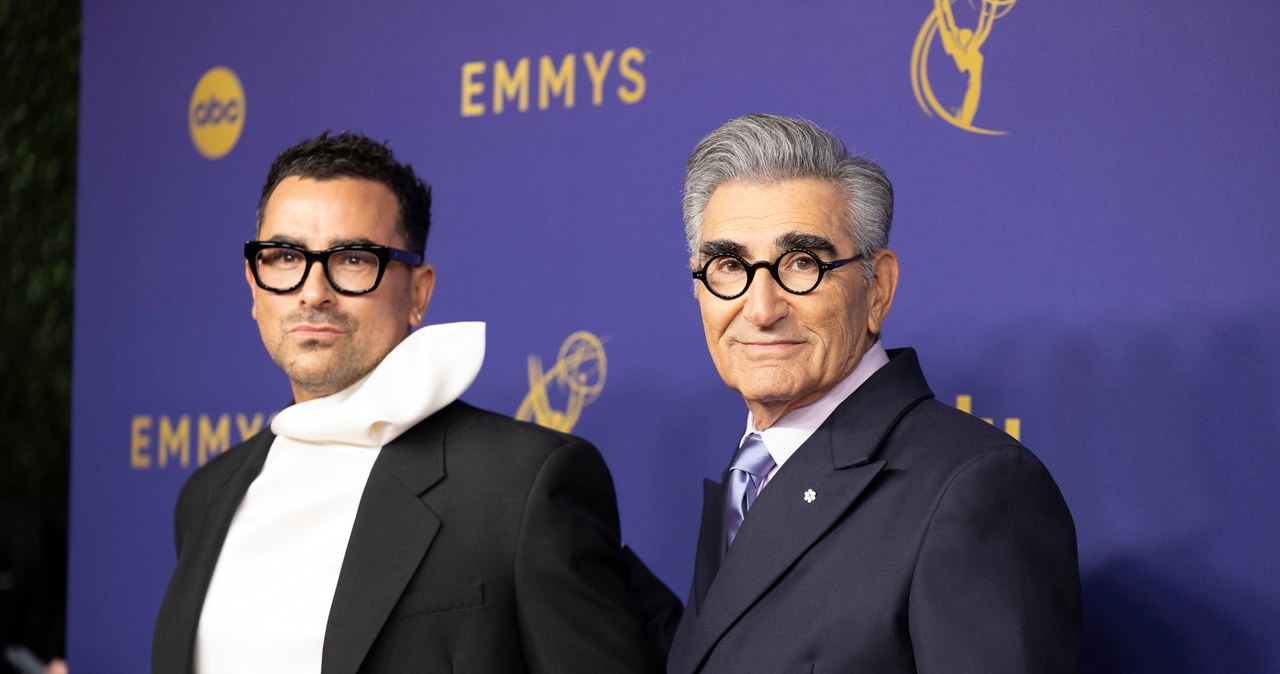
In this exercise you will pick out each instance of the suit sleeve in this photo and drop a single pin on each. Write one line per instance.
(996, 586)
(575, 609)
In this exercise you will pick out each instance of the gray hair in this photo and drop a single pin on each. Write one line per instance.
(772, 148)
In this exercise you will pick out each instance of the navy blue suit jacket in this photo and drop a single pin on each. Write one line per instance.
(933, 542)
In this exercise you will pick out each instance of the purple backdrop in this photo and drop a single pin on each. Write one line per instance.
(1105, 273)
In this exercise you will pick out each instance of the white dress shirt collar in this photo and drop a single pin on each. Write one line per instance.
(786, 435)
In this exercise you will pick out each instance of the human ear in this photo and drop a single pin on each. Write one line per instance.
(423, 284)
(884, 283)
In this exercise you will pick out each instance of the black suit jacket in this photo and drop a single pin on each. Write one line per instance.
(481, 544)
(931, 542)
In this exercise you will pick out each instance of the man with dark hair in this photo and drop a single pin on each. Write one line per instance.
(381, 524)
(861, 526)
(348, 155)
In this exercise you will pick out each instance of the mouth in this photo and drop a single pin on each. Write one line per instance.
(308, 331)
(767, 347)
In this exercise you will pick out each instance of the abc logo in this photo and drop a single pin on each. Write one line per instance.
(216, 112)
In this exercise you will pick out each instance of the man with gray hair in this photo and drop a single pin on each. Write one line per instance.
(861, 526)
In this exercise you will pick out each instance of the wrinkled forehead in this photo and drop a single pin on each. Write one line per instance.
(760, 220)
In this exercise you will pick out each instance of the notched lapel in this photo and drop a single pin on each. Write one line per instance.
(780, 527)
(838, 462)
(391, 534)
(859, 425)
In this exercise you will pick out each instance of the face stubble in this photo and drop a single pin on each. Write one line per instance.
(320, 367)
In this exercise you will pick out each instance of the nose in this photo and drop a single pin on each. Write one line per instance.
(316, 290)
(765, 302)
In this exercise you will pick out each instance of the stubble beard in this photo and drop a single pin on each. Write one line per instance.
(318, 367)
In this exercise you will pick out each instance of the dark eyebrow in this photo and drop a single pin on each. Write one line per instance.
(286, 239)
(357, 241)
(812, 242)
(710, 249)
(279, 238)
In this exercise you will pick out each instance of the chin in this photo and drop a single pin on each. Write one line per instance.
(304, 370)
(770, 394)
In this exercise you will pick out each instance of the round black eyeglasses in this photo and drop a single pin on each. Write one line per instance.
(797, 271)
(354, 269)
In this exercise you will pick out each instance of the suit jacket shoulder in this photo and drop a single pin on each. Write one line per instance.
(488, 433)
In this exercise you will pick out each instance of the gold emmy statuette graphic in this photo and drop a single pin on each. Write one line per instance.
(964, 46)
(578, 374)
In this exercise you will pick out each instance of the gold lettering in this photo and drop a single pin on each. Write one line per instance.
(629, 56)
(212, 440)
(508, 85)
(471, 88)
(168, 439)
(140, 440)
(553, 82)
(248, 427)
(1012, 425)
(597, 71)
(174, 441)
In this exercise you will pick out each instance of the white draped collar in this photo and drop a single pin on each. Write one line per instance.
(431, 368)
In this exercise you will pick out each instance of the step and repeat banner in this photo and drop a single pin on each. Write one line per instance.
(1086, 222)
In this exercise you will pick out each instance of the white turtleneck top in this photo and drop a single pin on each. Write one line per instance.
(268, 601)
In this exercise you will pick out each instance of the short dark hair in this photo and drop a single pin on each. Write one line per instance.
(351, 155)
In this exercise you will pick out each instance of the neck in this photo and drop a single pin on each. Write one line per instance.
(302, 394)
(766, 413)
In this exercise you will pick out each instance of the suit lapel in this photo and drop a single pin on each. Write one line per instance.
(180, 614)
(779, 528)
(836, 464)
(710, 541)
(392, 531)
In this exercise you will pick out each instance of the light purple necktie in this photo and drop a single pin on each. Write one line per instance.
(750, 465)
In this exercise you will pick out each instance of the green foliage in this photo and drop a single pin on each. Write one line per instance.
(38, 107)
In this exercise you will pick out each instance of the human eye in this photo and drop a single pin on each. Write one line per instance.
(356, 259)
(726, 265)
(800, 261)
(279, 257)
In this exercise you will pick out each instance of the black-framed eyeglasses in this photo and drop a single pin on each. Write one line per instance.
(354, 269)
(797, 271)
